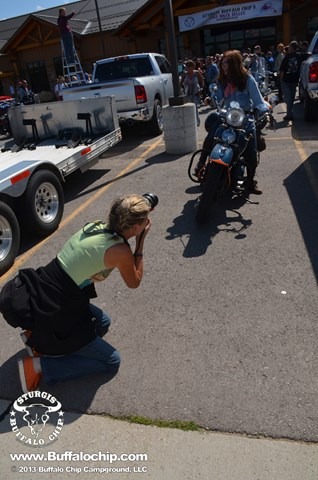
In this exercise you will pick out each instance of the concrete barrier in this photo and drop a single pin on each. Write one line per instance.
(180, 128)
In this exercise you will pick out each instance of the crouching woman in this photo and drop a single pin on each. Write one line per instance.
(62, 330)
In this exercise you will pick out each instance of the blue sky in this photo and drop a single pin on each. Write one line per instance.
(14, 8)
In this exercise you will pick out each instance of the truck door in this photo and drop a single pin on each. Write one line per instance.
(165, 69)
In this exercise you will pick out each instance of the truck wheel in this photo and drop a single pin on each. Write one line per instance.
(156, 123)
(42, 203)
(310, 109)
(9, 237)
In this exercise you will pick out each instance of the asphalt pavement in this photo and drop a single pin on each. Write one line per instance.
(231, 384)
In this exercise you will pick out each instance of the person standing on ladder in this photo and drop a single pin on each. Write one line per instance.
(66, 35)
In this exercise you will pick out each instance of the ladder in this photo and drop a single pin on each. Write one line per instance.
(74, 71)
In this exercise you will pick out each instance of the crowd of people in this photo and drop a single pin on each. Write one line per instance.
(197, 73)
(282, 61)
(238, 76)
(24, 93)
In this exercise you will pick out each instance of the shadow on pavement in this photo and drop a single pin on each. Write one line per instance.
(132, 138)
(224, 214)
(79, 185)
(300, 129)
(302, 188)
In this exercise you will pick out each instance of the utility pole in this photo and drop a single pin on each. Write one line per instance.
(179, 117)
(100, 29)
(172, 51)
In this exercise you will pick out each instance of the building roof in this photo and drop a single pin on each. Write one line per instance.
(112, 14)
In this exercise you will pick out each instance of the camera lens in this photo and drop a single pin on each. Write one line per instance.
(152, 199)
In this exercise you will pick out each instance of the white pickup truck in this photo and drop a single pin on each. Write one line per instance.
(308, 81)
(141, 83)
(51, 142)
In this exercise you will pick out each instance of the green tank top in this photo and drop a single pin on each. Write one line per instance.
(82, 256)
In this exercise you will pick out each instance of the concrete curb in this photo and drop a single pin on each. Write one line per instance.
(171, 454)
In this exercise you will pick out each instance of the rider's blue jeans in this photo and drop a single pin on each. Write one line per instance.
(96, 357)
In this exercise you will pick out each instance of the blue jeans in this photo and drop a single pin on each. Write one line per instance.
(289, 93)
(96, 357)
(68, 45)
(196, 100)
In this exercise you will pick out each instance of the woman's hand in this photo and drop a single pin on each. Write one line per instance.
(130, 265)
(144, 232)
(140, 237)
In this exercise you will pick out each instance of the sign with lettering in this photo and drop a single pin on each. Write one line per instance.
(231, 13)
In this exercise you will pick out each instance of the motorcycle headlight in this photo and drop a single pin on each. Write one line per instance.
(235, 117)
(228, 136)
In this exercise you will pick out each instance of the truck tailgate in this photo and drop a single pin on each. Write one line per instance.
(123, 90)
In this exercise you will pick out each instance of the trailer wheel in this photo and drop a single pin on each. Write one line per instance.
(42, 203)
(9, 237)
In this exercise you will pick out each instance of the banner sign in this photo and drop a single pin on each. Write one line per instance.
(231, 13)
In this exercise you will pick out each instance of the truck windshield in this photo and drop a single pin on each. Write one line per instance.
(123, 68)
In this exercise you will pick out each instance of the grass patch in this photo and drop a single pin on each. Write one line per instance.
(180, 425)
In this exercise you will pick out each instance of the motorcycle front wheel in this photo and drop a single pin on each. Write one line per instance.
(214, 178)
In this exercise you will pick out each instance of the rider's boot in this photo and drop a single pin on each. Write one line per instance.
(251, 187)
(206, 148)
(199, 166)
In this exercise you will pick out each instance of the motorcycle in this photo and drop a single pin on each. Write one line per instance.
(5, 104)
(272, 80)
(28, 98)
(225, 168)
(262, 76)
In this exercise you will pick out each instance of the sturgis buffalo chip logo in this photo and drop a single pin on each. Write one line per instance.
(36, 419)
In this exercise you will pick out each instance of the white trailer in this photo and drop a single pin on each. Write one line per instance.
(51, 141)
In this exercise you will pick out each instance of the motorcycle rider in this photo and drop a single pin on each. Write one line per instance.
(235, 83)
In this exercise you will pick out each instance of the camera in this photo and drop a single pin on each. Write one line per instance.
(152, 199)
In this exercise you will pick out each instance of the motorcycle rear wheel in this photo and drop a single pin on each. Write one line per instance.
(215, 175)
